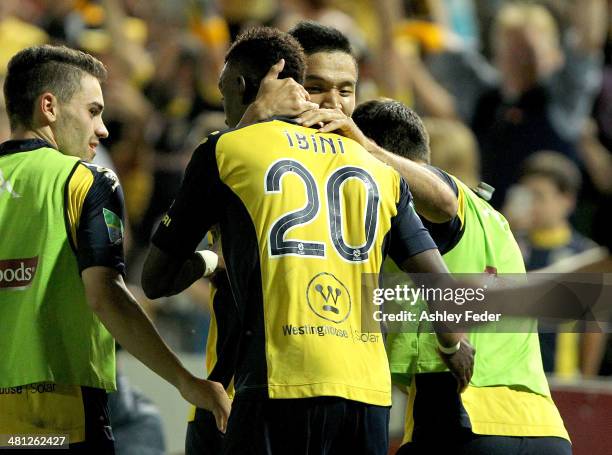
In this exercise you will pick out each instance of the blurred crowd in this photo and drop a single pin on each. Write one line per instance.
(517, 94)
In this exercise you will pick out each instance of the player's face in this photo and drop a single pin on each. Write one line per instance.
(79, 126)
(232, 92)
(331, 79)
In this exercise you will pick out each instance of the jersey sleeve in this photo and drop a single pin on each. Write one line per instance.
(408, 235)
(447, 234)
(197, 206)
(96, 217)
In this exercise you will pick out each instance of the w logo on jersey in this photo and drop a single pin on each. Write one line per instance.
(332, 293)
(328, 298)
(5, 185)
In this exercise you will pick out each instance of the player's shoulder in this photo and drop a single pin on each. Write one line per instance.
(99, 176)
(210, 141)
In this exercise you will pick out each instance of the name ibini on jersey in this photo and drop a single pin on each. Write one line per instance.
(315, 142)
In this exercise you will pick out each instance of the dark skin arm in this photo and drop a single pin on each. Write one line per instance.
(165, 275)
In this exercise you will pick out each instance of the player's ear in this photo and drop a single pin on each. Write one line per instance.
(241, 85)
(47, 107)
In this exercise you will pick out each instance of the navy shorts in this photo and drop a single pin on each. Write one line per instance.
(469, 443)
(307, 426)
(442, 425)
(203, 437)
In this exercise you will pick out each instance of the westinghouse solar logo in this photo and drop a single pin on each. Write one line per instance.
(328, 298)
(17, 273)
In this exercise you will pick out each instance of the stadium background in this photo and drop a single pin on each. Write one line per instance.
(161, 98)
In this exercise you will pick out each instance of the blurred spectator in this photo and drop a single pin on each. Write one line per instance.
(243, 13)
(541, 91)
(454, 149)
(15, 33)
(327, 13)
(596, 148)
(175, 94)
(596, 158)
(64, 20)
(486, 10)
(460, 17)
(552, 183)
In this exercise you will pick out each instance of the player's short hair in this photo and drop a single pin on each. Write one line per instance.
(46, 68)
(395, 127)
(315, 37)
(257, 49)
(556, 167)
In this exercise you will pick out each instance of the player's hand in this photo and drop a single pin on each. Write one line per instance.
(461, 364)
(281, 96)
(207, 395)
(336, 121)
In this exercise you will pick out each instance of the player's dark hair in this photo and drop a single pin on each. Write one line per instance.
(564, 174)
(257, 49)
(315, 37)
(46, 68)
(395, 127)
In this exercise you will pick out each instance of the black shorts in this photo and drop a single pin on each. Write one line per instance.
(469, 443)
(307, 426)
(441, 425)
(98, 432)
(203, 437)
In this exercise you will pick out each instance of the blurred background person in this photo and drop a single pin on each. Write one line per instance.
(548, 188)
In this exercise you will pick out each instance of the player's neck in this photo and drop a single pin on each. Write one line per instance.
(43, 133)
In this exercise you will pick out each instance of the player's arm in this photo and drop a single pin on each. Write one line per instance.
(433, 199)
(415, 251)
(97, 234)
(165, 275)
(449, 233)
(172, 264)
(277, 97)
(112, 302)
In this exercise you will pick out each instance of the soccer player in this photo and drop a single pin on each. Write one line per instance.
(62, 265)
(331, 81)
(507, 408)
(302, 217)
(203, 437)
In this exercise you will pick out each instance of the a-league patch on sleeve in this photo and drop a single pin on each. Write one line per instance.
(114, 226)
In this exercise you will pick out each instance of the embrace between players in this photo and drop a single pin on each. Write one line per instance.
(300, 221)
(277, 198)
